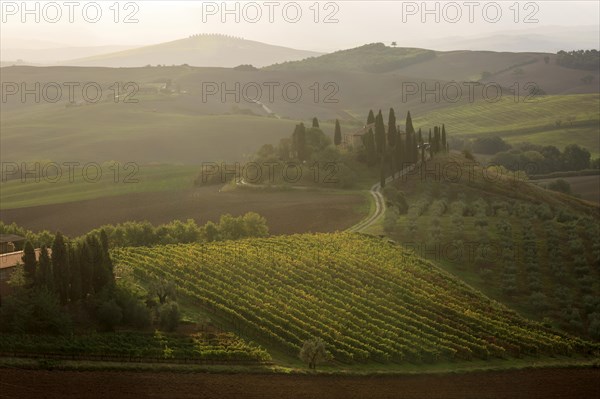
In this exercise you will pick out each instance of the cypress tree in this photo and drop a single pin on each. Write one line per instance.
(371, 117)
(299, 142)
(379, 134)
(420, 137)
(392, 132)
(430, 144)
(86, 269)
(409, 125)
(45, 278)
(399, 150)
(75, 292)
(100, 274)
(436, 139)
(29, 263)
(415, 147)
(337, 137)
(108, 264)
(315, 122)
(369, 143)
(60, 267)
(444, 144)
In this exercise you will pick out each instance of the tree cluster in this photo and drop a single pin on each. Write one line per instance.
(538, 159)
(588, 60)
(392, 149)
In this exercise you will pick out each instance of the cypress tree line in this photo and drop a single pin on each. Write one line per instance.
(337, 136)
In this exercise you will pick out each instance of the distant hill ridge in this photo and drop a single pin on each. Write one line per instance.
(203, 50)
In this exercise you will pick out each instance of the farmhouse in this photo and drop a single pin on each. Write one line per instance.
(354, 141)
(10, 243)
(8, 265)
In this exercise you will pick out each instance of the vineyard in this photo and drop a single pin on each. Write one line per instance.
(368, 299)
(136, 346)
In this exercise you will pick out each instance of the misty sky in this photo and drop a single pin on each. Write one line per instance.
(358, 22)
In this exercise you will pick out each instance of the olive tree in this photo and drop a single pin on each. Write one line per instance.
(313, 351)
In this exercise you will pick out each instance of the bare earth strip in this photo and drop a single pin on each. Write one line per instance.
(535, 383)
(286, 213)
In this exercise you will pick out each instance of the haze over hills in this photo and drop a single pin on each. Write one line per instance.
(549, 39)
(199, 50)
(54, 55)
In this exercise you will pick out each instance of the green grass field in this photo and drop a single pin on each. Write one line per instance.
(533, 121)
(148, 178)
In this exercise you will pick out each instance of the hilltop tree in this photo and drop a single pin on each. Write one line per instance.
(60, 267)
(313, 352)
(44, 273)
(337, 137)
(371, 117)
(29, 263)
(315, 122)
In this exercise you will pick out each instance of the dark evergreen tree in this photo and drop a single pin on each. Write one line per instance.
(60, 267)
(29, 263)
(370, 118)
(108, 264)
(337, 137)
(392, 132)
(399, 151)
(86, 269)
(44, 274)
(75, 291)
(379, 134)
(409, 125)
(444, 143)
(100, 273)
(315, 122)
(299, 142)
(420, 137)
(369, 143)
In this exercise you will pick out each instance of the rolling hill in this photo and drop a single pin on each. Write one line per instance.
(210, 50)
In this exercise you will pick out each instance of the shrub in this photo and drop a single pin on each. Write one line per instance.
(169, 316)
(109, 314)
